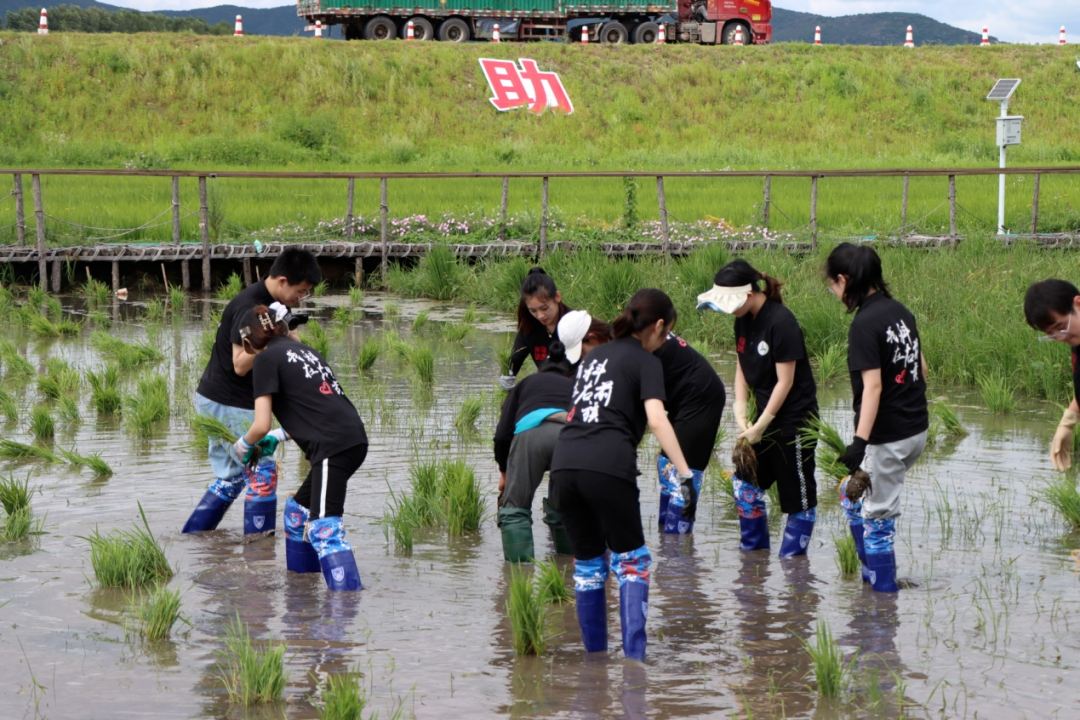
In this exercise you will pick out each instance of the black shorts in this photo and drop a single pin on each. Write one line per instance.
(787, 459)
(696, 433)
(323, 490)
(599, 511)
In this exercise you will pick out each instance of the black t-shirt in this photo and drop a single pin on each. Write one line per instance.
(536, 392)
(607, 419)
(883, 335)
(220, 382)
(533, 344)
(308, 401)
(1076, 374)
(774, 336)
(690, 382)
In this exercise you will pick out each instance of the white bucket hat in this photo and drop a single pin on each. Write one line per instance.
(724, 299)
(572, 329)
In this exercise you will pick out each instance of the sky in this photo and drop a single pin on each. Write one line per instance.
(1030, 21)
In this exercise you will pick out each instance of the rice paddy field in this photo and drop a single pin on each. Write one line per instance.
(211, 625)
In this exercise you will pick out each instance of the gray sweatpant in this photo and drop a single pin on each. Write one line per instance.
(530, 458)
(887, 465)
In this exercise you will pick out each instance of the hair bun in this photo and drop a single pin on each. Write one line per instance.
(537, 271)
(556, 351)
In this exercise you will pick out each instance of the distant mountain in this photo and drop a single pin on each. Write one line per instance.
(788, 25)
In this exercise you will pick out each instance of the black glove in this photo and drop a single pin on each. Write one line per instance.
(251, 459)
(854, 454)
(689, 496)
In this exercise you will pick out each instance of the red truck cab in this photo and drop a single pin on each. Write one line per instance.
(755, 17)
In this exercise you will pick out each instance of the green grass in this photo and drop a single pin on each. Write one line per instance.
(368, 352)
(315, 336)
(177, 298)
(68, 409)
(16, 366)
(551, 581)
(443, 493)
(157, 612)
(42, 425)
(998, 392)
(527, 610)
(105, 390)
(155, 310)
(15, 494)
(831, 363)
(94, 462)
(421, 320)
(148, 406)
(128, 558)
(126, 355)
(827, 659)
(343, 696)
(230, 288)
(1062, 495)
(469, 412)
(15, 450)
(356, 296)
(251, 675)
(455, 332)
(847, 557)
(95, 291)
(422, 361)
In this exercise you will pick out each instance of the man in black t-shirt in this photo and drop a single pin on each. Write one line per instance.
(225, 392)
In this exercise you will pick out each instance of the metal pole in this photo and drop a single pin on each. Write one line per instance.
(349, 210)
(204, 226)
(385, 211)
(768, 202)
(176, 210)
(663, 214)
(952, 206)
(505, 203)
(1035, 206)
(20, 217)
(1001, 178)
(903, 206)
(544, 220)
(39, 215)
(813, 213)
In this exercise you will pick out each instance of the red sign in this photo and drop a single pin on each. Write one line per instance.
(527, 86)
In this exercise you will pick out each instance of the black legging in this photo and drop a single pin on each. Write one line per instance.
(696, 433)
(327, 481)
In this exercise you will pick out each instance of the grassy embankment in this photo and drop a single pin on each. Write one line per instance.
(177, 101)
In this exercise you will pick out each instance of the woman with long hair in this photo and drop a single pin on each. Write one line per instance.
(539, 309)
(888, 384)
(774, 365)
(619, 388)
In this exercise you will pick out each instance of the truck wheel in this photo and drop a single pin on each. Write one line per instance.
(454, 30)
(422, 29)
(728, 38)
(646, 33)
(613, 33)
(380, 28)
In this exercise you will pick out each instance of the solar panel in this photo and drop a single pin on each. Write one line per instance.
(1003, 89)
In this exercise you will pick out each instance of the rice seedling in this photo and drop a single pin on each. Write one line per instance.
(18, 524)
(1061, 493)
(104, 390)
(177, 297)
(464, 498)
(831, 363)
(356, 296)
(207, 428)
(426, 484)
(344, 696)
(127, 355)
(827, 659)
(502, 356)
(42, 326)
(251, 675)
(59, 379)
(157, 612)
(552, 582)
(527, 611)
(128, 558)
(14, 450)
(396, 344)
(17, 367)
(155, 310)
(68, 409)
(947, 417)
(320, 289)
(391, 310)
(997, 392)
(230, 288)
(368, 352)
(847, 557)
(93, 462)
(471, 315)
(421, 320)
(9, 408)
(15, 494)
(95, 291)
(830, 446)
(42, 425)
(469, 412)
(422, 361)
(399, 520)
(148, 405)
(344, 315)
(455, 332)
(315, 337)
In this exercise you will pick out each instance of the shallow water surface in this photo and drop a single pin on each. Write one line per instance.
(988, 628)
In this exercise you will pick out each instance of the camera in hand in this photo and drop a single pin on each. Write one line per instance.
(295, 320)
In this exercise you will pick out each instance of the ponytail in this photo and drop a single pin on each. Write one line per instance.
(556, 360)
(644, 309)
(537, 284)
(739, 272)
(861, 265)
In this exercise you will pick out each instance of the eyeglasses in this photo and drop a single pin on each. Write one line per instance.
(1052, 335)
(303, 295)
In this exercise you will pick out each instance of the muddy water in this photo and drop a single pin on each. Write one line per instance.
(991, 627)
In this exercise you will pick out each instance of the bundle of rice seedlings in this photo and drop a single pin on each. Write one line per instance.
(830, 447)
(369, 352)
(148, 405)
(528, 615)
(157, 612)
(552, 582)
(251, 675)
(127, 355)
(827, 659)
(15, 450)
(15, 494)
(127, 558)
(207, 428)
(469, 412)
(344, 696)
(230, 288)
(314, 336)
(42, 425)
(105, 390)
(1061, 493)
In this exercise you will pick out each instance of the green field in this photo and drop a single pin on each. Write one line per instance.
(182, 101)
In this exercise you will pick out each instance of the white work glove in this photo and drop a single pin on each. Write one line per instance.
(278, 434)
(1061, 447)
(754, 433)
(740, 415)
(507, 382)
(240, 449)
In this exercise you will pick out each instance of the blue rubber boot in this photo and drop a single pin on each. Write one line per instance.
(632, 569)
(207, 514)
(590, 579)
(300, 556)
(674, 522)
(260, 501)
(797, 533)
(666, 473)
(753, 518)
(857, 533)
(327, 536)
(880, 558)
(853, 510)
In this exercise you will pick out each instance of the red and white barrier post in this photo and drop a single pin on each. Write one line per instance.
(909, 41)
(318, 28)
(986, 37)
(410, 31)
(239, 30)
(1061, 35)
(43, 25)
(584, 34)
(817, 35)
(661, 36)
(495, 34)
(738, 35)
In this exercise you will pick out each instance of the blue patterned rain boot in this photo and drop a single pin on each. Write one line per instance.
(665, 471)
(797, 533)
(880, 558)
(327, 536)
(260, 501)
(215, 501)
(300, 556)
(674, 522)
(753, 518)
(632, 569)
(590, 579)
(853, 510)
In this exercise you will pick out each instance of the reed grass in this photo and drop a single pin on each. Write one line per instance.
(847, 556)
(148, 405)
(230, 288)
(469, 412)
(125, 354)
(158, 612)
(455, 332)
(1061, 493)
(314, 336)
(998, 392)
(422, 361)
(344, 696)
(42, 425)
(14, 450)
(551, 581)
(105, 390)
(421, 320)
(368, 352)
(15, 494)
(527, 610)
(251, 675)
(827, 659)
(128, 558)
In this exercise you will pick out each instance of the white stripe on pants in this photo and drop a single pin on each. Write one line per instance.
(322, 488)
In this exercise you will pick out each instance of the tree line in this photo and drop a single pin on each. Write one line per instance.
(68, 18)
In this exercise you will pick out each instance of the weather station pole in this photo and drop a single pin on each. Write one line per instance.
(1008, 133)
(1001, 177)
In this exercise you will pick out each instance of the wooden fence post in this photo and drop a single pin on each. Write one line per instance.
(39, 215)
(247, 271)
(204, 225)
(20, 217)
(544, 220)
(56, 277)
(115, 277)
(1035, 207)
(176, 210)
(349, 210)
(903, 206)
(765, 208)
(502, 211)
(952, 206)
(663, 214)
(813, 213)
(185, 275)
(385, 210)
